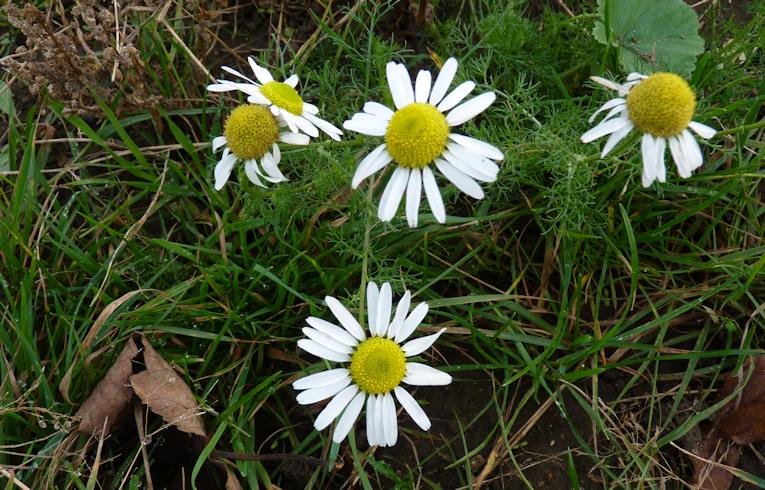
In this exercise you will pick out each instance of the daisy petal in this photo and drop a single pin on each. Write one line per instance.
(478, 146)
(648, 150)
(292, 81)
(384, 301)
(390, 423)
(433, 194)
(294, 138)
(420, 345)
(237, 74)
(379, 427)
(683, 166)
(373, 294)
(411, 323)
(327, 341)
(372, 163)
(349, 416)
(224, 86)
(328, 128)
(635, 76)
(392, 194)
(263, 75)
(456, 96)
(345, 318)
(474, 166)
(371, 421)
(313, 395)
(457, 177)
(443, 80)
(661, 169)
(396, 85)
(702, 129)
(269, 166)
(324, 378)
(223, 170)
(379, 110)
(615, 138)
(608, 105)
(609, 84)
(412, 408)
(406, 84)
(335, 407)
(217, 142)
(401, 310)
(422, 86)
(605, 128)
(258, 98)
(691, 149)
(310, 108)
(251, 170)
(423, 375)
(337, 333)
(413, 196)
(319, 350)
(367, 124)
(468, 110)
(305, 125)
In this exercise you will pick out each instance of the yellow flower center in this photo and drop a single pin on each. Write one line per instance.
(661, 105)
(283, 96)
(250, 130)
(378, 365)
(416, 134)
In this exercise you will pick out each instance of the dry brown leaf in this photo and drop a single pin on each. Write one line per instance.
(710, 476)
(111, 395)
(232, 482)
(166, 394)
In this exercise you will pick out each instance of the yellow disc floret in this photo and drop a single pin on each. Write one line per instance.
(661, 105)
(416, 134)
(378, 365)
(283, 96)
(250, 130)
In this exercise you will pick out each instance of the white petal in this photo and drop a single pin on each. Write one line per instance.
(392, 194)
(276, 153)
(263, 75)
(310, 108)
(294, 138)
(305, 125)
(390, 423)
(349, 416)
(328, 128)
(237, 74)
(420, 345)
(223, 86)
(372, 163)
(366, 124)
(433, 194)
(648, 150)
(604, 128)
(373, 294)
(702, 129)
(401, 310)
(269, 166)
(411, 322)
(379, 110)
(456, 96)
(371, 421)
(457, 177)
(251, 170)
(469, 109)
(443, 80)
(413, 196)
(345, 318)
(258, 98)
(223, 171)
(379, 427)
(334, 407)
(683, 164)
(292, 81)
(478, 146)
(383, 308)
(608, 105)
(422, 86)
(475, 166)
(615, 138)
(313, 395)
(324, 378)
(285, 116)
(397, 86)
(691, 149)
(609, 84)
(661, 169)
(337, 333)
(217, 142)
(406, 84)
(319, 350)
(412, 408)
(327, 341)
(423, 375)
(635, 76)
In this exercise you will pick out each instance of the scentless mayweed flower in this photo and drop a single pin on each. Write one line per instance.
(250, 135)
(418, 134)
(280, 97)
(376, 365)
(661, 107)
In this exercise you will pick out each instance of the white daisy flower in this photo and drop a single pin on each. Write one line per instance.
(281, 97)
(418, 134)
(250, 135)
(661, 107)
(376, 365)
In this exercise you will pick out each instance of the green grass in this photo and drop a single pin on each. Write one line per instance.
(570, 291)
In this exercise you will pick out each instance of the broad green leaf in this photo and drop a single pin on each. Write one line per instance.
(652, 35)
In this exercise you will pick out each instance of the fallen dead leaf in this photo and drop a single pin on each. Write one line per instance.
(709, 476)
(111, 395)
(166, 394)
